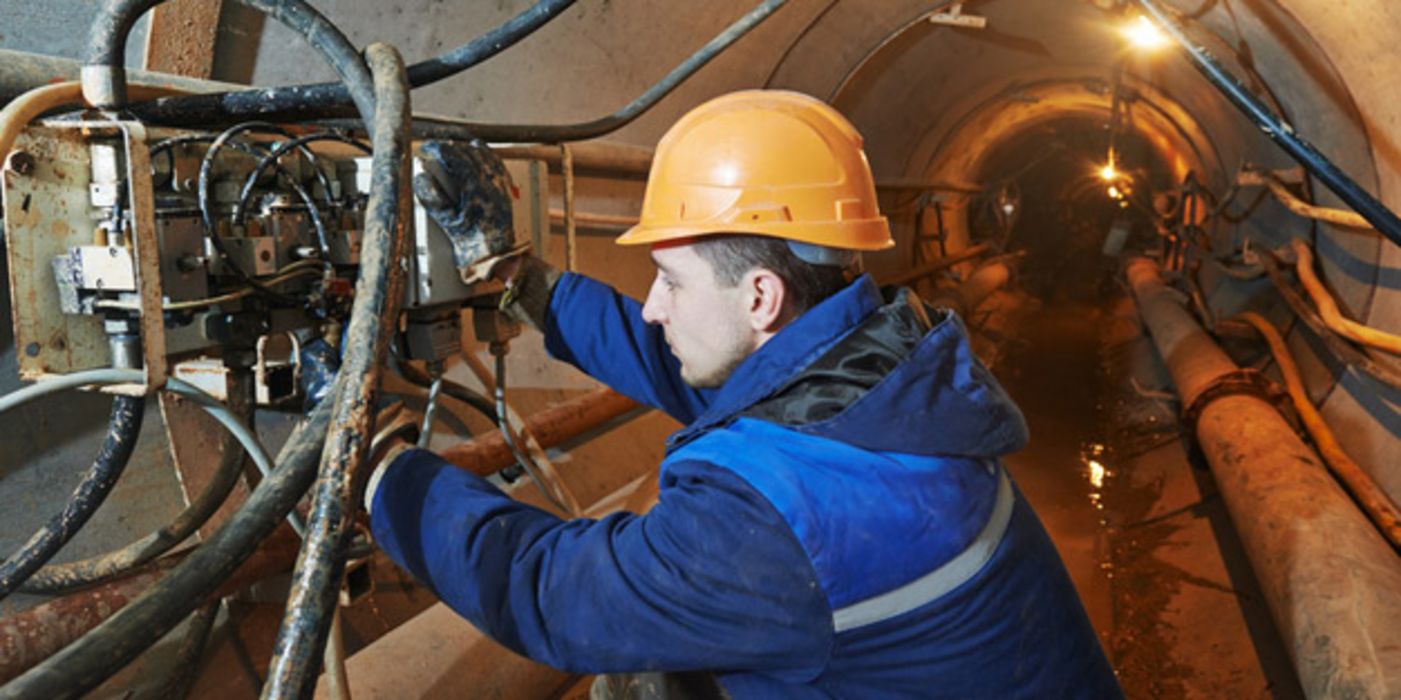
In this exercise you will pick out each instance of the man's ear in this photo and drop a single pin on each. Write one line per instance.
(768, 300)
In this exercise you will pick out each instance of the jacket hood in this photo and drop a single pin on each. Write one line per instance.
(878, 369)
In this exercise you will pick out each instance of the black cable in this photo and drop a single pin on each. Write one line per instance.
(281, 150)
(104, 74)
(57, 578)
(206, 168)
(122, 430)
(82, 665)
(555, 133)
(378, 294)
(442, 128)
(301, 102)
(185, 670)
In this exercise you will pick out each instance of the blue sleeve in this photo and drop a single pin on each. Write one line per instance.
(593, 327)
(710, 579)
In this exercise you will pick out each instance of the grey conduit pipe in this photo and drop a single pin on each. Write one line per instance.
(1330, 579)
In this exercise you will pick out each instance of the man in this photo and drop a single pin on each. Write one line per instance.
(833, 520)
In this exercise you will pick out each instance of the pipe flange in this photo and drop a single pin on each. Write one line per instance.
(1248, 382)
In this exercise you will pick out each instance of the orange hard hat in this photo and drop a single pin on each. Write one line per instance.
(762, 162)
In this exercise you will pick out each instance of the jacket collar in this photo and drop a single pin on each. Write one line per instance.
(790, 351)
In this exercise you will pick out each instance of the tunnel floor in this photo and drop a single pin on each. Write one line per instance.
(1135, 517)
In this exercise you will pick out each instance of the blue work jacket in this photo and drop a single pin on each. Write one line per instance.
(833, 522)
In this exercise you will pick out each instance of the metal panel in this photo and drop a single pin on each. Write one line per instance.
(46, 213)
(434, 277)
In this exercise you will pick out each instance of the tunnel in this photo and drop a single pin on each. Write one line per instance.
(1109, 224)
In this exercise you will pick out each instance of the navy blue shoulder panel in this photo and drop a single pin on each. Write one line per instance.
(870, 522)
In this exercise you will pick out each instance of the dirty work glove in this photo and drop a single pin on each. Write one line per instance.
(466, 189)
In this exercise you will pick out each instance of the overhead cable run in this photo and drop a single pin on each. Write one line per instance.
(1319, 165)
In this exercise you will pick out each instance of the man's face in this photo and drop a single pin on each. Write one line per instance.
(707, 325)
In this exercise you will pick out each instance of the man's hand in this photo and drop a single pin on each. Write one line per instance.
(468, 193)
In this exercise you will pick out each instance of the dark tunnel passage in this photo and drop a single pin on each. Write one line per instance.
(1106, 452)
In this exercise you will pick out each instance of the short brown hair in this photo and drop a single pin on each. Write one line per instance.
(731, 256)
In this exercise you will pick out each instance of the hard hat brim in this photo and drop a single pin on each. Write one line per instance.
(865, 234)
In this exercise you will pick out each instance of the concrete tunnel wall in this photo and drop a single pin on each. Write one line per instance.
(932, 101)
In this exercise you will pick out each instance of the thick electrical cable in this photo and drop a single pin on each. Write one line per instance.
(109, 376)
(378, 295)
(1342, 351)
(1374, 501)
(443, 128)
(104, 72)
(85, 663)
(58, 578)
(557, 133)
(123, 427)
(186, 668)
(1328, 307)
(325, 100)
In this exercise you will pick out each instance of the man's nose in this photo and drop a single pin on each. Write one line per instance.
(652, 307)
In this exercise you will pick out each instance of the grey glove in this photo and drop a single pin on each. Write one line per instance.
(467, 192)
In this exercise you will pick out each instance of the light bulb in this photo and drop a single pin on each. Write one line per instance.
(1143, 34)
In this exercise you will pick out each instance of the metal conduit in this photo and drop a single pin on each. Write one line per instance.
(1329, 578)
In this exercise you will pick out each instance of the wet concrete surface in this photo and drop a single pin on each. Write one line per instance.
(1139, 526)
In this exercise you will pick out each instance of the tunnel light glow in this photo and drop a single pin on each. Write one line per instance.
(1143, 34)
(1109, 173)
(1114, 192)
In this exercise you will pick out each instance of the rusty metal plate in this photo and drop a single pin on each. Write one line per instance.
(47, 212)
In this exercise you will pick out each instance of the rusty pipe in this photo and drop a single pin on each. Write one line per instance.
(29, 637)
(489, 453)
(939, 265)
(1329, 578)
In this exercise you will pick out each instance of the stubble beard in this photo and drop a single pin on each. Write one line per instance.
(720, 373)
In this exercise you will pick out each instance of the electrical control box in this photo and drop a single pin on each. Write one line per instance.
(197, 244)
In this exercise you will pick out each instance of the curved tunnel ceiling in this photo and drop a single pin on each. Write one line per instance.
(930, 98)
(935, 101)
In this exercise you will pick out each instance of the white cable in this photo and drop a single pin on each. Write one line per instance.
(109, 376)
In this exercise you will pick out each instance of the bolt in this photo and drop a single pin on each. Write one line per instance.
(21, 162)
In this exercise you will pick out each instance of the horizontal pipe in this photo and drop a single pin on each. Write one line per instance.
(29, 637)
(590, 219)
(489, 453)
(966, 297)
(21, 72)
(940, 265)
(598, 156)
(1329, 578)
